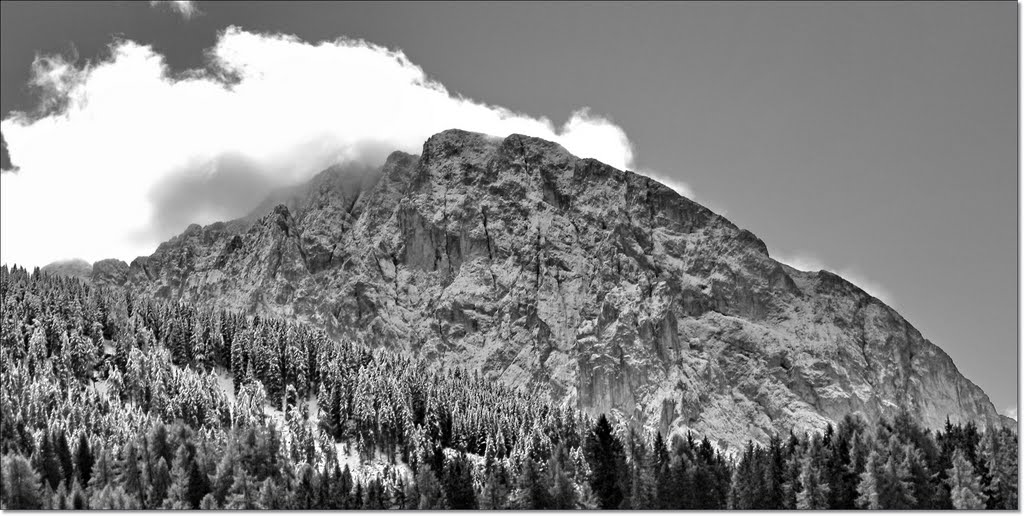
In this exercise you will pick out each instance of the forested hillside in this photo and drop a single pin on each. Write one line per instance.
(111, 400)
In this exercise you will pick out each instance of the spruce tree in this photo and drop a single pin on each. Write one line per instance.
(64, 458)
(271, 496)
(129, 472)
(159, 484)
(867, 489)
(814, 489)
(102, 471)
(429, 489)
(457, 483)
(304, 492)
(22, 486)
(494, 492)
(243, 494)
(209, 503)
(531, 493)
(663, 474)
(48, 463)
(224, 477)
(964, 484)
(563, 491)
(181, 481)
(896, 488)
(605, 456)
(78, 499)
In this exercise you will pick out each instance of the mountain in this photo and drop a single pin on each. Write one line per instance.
(75, 268)
(599, 287)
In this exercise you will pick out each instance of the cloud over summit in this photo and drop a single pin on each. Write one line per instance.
(124, 152)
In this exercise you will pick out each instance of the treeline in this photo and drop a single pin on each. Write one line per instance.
(109, 400)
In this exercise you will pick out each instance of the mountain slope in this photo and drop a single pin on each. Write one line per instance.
(600, 287)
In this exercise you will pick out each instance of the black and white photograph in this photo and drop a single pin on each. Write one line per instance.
(360, 256)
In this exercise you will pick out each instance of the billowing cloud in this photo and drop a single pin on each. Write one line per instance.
(184, 8)
(124, 152)
(1010, 412)
(806, 262)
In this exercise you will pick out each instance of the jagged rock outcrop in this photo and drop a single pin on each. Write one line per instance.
(599, 287)
(110, 272)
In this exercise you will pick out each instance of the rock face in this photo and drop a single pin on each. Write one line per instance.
(599, 287)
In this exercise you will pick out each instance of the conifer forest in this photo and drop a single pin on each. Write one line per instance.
(115, 401)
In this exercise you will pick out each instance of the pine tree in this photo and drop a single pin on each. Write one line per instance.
(48, 464)
(494, 493)
(209, 503)
(243, 494)
(159, 448)
(160, 483)
(78, 499)
(641, 475)
(58, 502)
(129, 472)
(664, 489)
(102, 471)
(63, 452)
(429, 489)
(964, 484)
(457, 483)
(271, 496)
(178, 492)
(22, 487)
(224, 477)
(374, 496)
(867, 489)
(343, 489)
(563, 491)
(814, 490)
(305, 489)
(606, 458)
(531, 493)
(895, 488)
(239, 356)
(999, 453)
(773, 476)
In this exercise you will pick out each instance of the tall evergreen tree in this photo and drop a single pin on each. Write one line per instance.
(48, 464)
(129, 472)
(244, 493)
(964, 484)
(457, 483)
(22, 487)
(868, 489)
(531, 493)
(429, 489)
(814, 489)
(605, 455)
(63, 452)
(102, 471)
(181, 480)
(563, 491)
(159, 484)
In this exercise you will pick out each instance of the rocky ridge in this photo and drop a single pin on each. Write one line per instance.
(602, 288)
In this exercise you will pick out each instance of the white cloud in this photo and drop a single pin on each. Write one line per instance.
(121, 129)
(806, 262)
(185, 8)
(1010, 412)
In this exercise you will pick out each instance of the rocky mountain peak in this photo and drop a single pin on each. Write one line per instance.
(597, 287)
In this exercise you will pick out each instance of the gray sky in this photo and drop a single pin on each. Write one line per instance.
(878, 140)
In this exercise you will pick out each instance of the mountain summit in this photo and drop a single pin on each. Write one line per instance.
(598, 287)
